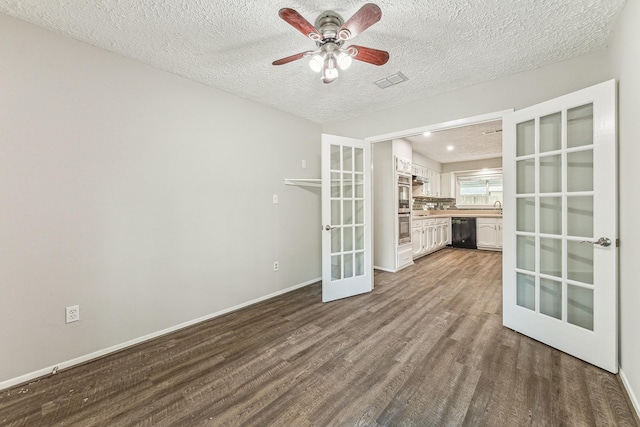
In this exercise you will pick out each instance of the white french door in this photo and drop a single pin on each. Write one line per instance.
(560, 281)
(347, 267)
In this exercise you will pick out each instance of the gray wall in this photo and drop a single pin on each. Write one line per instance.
(142, 196)
(517, 91)
(625, 57)
(472, 165)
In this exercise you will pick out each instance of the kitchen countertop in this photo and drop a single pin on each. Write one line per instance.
(456, 213)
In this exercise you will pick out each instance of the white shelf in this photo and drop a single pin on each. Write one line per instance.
(305, 182)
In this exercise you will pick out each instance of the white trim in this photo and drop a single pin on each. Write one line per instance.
(388, 270)
(441, 126)
(88, 357)
(632, 396)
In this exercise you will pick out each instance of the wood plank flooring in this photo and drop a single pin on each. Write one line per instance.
(425, 348)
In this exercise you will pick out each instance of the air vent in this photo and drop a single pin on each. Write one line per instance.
(491, 132)
(391, 80)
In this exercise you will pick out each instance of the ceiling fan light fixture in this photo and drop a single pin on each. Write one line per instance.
(344, 60)
(329, 34)
(329, 72)
(317, 62)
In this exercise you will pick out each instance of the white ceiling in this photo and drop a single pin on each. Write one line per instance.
(230, 44)
(473, 142)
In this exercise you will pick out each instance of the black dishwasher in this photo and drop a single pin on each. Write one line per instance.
(463, 233)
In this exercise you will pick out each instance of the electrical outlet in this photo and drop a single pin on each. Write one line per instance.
(73, 313)
(304, 164)
(276, 266)
(275, 198)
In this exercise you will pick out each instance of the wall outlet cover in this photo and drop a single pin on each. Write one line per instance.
(72, 313)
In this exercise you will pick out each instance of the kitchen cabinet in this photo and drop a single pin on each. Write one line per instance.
(430, 188)
(434, 183)
(445, 185)
(489, 233)
(430, 235)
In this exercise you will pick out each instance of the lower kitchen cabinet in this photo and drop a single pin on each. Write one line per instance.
(430, 235)
(489, 233)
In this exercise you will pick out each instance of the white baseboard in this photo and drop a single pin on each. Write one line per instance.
(388, 270)
(87, 357)
(632, 396)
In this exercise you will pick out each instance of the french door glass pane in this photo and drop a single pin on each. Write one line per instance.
(347, 158)
(348, 212)
(580, 262)
(551, 257)
(335, 213)
(359, 211)
(551, 174)
(551, 132)
(580, 171)
(348, 265)
(336, 267)
(335, 185)
(358, 159)
(580, 306)
(336, 241)
(525, 176)
(551, 215)
(526, 214)
(335, 157)
(348, 238)
(551, 298)
(526, 253)
(580, 126)
(347, 184)
(359, 185)
(526, 291)
(359, 263)
(359, 238)
(525, 138)
(580, 216)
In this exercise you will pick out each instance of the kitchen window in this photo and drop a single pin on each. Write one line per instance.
(478, 189)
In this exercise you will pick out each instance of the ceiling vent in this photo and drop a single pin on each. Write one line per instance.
(491, 132)
(391, 80)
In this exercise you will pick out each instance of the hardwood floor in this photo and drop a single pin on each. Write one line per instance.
(425, 348)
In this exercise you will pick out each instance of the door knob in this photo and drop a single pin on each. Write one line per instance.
(328, 227)
(603, 241)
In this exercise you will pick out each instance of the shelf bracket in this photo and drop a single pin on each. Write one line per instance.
(306, 182)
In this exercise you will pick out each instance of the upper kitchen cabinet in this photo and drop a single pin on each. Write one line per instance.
(445, 185)
(426, 182)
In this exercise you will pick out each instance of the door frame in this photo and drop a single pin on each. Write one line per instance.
(451, 124)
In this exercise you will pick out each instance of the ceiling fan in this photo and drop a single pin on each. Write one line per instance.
(330, 33)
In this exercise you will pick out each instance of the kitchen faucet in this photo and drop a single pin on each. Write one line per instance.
(499, 203)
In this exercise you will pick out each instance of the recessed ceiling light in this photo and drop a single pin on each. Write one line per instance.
(450, 147)
(427, 133)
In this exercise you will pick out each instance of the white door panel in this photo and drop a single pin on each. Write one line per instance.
(347, 267)
(560, 197)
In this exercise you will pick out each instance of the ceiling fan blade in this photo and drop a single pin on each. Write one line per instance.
(299, 23)
(367, 54)
(368, 15)
(292, 58)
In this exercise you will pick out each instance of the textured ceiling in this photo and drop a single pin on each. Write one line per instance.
(229, 44)
(468, 142)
